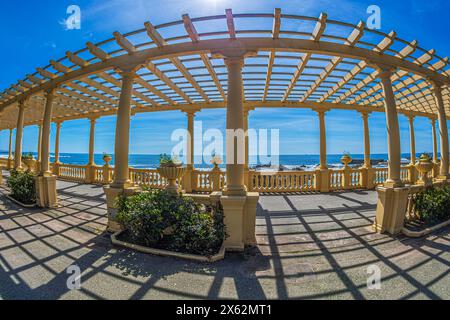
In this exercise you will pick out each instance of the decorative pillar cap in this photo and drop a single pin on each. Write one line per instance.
(233, 55)
(190, 111)
(247, 109)
(436, 85)
(129, 70)
(365, 113)
(321, 110)
(49, 92)
(384, 71)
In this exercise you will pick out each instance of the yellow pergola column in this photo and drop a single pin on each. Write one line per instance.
(121, 184)
(235, 127)
(10, 151)
(394, 149)
(367, 171)
(45, 135)
(246, 115)
(367, 160)
(238, 204)
(39, 155)
(436, 169)
(412, 139)
(92, 122)
(443, 132)
(392, 196)
(322, 173)
(188, 182)
(19, 134)
(323, 140)
(45, 181)
(57, 163)
(247, 172)
(90, 168)
(435, 143)
(57, 140)
(122, 141)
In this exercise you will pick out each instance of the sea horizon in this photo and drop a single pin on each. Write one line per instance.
(288, 162)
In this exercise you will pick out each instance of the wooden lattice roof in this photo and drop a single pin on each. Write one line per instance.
(301, 62)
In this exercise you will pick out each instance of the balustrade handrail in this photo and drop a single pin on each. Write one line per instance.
(259, 181)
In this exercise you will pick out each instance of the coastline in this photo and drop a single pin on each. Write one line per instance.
(286, 162)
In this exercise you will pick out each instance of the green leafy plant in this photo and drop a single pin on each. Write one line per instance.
(28, 156)
(194, 228)
(433, 205)
(169, 161)
(346, 154)
(425, 157)
(201, 232)
(22, 186)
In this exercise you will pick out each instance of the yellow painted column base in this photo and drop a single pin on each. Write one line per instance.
(391, 210)
(187, 184)
(56, 168)
(250, 218)
(46, 195)
(240, 219)
(112, 194)
(370, 178)
(444, 179)
(323, 180)
(90, 173)
(413, 175)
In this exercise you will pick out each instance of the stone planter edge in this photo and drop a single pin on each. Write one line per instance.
(427, 231)
(28, 206)
(167, 253)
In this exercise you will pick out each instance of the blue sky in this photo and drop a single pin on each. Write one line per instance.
(33, 34)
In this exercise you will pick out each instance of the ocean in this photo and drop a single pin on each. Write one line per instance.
(304, 162)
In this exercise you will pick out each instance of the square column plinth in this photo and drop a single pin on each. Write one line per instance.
(391, 209)
(112, 195)
(46, 195)
(240, 220)
(443, 179)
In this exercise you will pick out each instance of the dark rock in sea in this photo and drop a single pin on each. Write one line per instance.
(374, 162)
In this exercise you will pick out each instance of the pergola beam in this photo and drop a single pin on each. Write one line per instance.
(316, 34)
(51, 80)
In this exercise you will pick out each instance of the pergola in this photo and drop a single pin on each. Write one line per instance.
(210, 62)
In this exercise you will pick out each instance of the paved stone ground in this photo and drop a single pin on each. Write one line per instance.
(310, 246)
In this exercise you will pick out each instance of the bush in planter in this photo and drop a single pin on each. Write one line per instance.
(27, 156)
(186, 226)
(433, 205)
(202, 232)
(169, 161)
(22, 186)
(143, 216)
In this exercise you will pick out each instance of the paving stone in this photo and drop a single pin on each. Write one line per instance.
(316, 246)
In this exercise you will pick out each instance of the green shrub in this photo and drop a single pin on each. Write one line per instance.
(27, 156)
(169, 161)
(433, 205)
(196, 229)
(200, 232)
(22, 186)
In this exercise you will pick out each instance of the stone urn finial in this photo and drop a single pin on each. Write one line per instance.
(172, 170)
(216, 161)
(424, 166)
(107, 158)
(346, 159)
(29, 161)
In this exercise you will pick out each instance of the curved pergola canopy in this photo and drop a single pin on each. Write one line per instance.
(292, 61)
